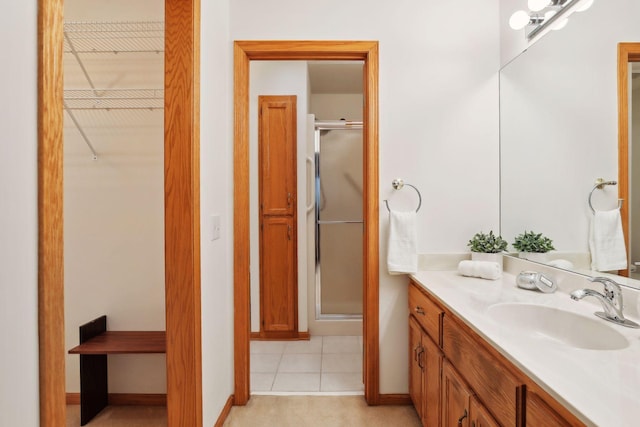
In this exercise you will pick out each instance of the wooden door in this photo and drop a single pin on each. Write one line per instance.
(455, 398)
(479, 415)
(278, 217)
(432, 381)
(539, 413)
(416, 370)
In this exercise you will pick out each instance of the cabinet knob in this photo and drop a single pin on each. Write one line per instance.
(462, 418)
(419, 310)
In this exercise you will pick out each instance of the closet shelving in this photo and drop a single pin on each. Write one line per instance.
(85, 40)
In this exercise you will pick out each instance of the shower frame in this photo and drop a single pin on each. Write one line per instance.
(320, 126)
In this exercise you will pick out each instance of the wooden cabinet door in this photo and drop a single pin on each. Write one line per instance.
(416, 372)
(277, 136)
(479, 415)
(539, 413)
(278, 287)
(432, 381)
(455, 398)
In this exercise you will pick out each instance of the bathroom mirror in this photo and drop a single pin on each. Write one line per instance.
(559, 129)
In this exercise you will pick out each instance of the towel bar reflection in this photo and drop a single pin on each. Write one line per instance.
(600, 183)
(397, 184)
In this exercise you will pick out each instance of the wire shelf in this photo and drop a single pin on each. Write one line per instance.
(114, 99)
(114, 37)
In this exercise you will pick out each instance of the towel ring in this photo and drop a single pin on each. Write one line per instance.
(397, 184)
(600, 183)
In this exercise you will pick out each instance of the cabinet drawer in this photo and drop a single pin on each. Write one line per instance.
(426, 312)
(491, 381)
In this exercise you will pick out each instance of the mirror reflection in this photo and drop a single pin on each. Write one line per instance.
(559, 133)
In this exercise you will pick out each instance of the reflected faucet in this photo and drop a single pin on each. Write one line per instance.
(611, 301)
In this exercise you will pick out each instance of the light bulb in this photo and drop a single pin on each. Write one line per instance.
(519, 20)
(537, 5)
(584, 5)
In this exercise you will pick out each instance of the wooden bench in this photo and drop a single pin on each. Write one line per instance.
(95, 344)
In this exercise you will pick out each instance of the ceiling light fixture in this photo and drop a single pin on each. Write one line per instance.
(542, 13)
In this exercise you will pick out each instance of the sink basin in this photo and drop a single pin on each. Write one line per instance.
(560, 326)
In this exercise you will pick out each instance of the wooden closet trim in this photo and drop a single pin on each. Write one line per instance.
(244, 52)
(182, 224)
(627, 52)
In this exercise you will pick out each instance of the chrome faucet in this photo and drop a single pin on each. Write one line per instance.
(611, 301)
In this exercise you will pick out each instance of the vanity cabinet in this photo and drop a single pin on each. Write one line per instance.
(425, 357)
(426, 367)
(460, 406)
(458, 379)
(540, 413)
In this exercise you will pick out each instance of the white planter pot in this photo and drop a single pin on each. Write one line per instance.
(481, 256)
(535, 256)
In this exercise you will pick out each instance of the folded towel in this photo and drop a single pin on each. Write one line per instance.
(482, 269)
(606, 241)
(402, 257)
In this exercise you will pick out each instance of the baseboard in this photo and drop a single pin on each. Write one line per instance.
(225, 412)
(280, 336)
(126, 399)
(395, 399)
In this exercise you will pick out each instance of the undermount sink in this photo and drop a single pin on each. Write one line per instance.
(565, 327)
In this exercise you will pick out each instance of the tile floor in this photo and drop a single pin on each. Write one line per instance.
(322, 364)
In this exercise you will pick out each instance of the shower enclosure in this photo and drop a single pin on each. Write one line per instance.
(338, 220)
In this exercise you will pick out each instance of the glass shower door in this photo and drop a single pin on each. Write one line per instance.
(339, 225)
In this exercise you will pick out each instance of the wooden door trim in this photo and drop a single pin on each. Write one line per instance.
(182, 223)
(244, 52)
(627, 52)
(50, 223)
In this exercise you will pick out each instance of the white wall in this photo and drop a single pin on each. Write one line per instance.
(438, 120)
(216, 198)
(336, 106)
(18, 217)
(278, 78)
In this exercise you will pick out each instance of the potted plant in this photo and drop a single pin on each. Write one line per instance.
(487, 247)
(533, 246)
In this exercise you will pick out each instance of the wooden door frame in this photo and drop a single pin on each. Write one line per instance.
(627, 52)
(244, 53)
(182, 213)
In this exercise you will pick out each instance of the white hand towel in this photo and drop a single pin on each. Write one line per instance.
(482, 269)
(402, 257)
(606, 241)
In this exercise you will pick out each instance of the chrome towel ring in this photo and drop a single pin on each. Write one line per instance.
(397, 184)
(600, 183)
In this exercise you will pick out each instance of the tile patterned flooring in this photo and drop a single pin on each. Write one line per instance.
(322, 364)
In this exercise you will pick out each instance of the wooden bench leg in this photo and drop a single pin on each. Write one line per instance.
(93, 386)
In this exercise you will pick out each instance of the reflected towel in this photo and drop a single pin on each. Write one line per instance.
(402, 256)
(606, 241)
(482, 269)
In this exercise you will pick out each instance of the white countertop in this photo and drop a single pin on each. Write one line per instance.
(601, 387)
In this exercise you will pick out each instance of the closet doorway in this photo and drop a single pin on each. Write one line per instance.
(181, 225)
(244, 52)
(114, 187)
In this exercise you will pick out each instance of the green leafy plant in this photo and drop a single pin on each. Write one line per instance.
(530, 241)
(487, 243)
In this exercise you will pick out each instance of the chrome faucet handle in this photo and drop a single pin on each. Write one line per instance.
(612, 290)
